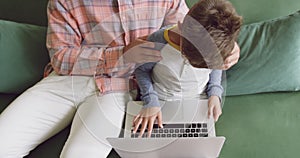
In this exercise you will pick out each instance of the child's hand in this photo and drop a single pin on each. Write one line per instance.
(214, 107)
(147, 117)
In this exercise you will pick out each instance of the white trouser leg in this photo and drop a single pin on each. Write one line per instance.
(97, 118)
(39, 113)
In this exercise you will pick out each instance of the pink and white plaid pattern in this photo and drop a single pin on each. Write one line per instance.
(87, 37)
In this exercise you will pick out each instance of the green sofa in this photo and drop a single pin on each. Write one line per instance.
(261, 111)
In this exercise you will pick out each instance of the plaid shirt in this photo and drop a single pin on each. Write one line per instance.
(87, 37)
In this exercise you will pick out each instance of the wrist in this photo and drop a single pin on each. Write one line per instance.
(215, 97)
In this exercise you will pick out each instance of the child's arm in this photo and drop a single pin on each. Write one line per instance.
(144, 81)
(214, 92)
(151, 110)
(143, 73)
(214, 87)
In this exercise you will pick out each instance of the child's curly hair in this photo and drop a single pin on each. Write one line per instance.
(221, 23)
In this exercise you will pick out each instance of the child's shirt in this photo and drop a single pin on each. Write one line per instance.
(173, 78)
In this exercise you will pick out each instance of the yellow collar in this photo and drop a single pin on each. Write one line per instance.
(167, 38)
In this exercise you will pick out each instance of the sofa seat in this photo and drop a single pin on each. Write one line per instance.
(261, 126)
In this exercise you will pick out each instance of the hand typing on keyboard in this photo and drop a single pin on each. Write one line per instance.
(146, 119)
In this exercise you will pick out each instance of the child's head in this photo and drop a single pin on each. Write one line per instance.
(209, 32)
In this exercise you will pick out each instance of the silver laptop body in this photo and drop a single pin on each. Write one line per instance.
(174, 112)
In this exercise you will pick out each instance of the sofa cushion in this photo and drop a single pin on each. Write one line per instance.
(23, 55)
(270, 57)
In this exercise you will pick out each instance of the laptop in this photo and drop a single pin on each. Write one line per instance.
(187, 132)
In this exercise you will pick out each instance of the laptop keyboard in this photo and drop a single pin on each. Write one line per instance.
(176, 131)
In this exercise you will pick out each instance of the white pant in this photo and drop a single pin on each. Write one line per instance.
(53, 103)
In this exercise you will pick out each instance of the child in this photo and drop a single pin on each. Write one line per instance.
(193, 48)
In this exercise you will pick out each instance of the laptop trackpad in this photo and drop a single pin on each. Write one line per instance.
(172, 111)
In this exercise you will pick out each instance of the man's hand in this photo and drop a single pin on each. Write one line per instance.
(214, 107)
(147, 117)
(140, 52)
(232, 58)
